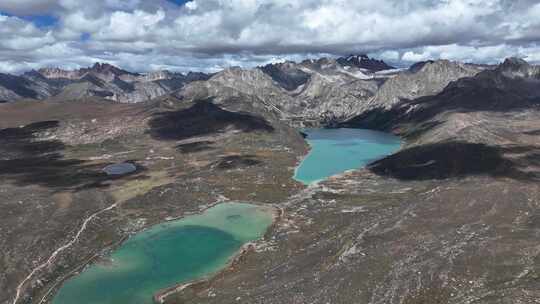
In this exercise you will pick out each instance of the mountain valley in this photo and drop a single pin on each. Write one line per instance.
(451, 217)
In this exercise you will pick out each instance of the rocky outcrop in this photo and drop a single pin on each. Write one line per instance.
(57, 73)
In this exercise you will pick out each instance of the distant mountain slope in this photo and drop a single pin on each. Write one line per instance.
(421, 79)
(325, 91)
(514, 85)
(16, 87)
(100, 80)
(329, 91)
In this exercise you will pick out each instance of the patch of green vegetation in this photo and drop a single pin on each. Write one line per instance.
(136, 187)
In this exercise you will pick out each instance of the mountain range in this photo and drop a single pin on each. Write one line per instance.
(451, 217)
(325, 91)
(101, 80)
(310, 77)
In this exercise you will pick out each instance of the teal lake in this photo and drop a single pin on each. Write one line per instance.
(168, 254)
(334, 151)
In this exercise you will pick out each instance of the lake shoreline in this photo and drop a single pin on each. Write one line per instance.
(335, 151)
(274, 211)
(160, 296)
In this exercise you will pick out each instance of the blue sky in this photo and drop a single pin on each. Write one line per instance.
(179, 2)
(209, 35)
(41, 21)
(48, 20)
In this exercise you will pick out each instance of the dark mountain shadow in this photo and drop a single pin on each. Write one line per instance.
(25, 159)
(488, 91)
(236, 161)
(203, 118)
(464, 100)
(29, 130)
(93, 80)
(289, 78)
(454, 99)
(102, 94)
(195, 147)
(51, 171)
(21, 142)
(125, 86)
(459, 159)
(19, 85)
(416, 131)
(376, 119)
(532, 132)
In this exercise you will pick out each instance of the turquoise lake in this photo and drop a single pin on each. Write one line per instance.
(335, 151)
(168, 254)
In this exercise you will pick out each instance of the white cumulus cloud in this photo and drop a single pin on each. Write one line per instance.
(211, 34)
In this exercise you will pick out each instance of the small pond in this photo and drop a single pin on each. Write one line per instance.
(120, 169)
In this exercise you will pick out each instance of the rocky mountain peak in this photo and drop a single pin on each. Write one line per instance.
(103, 68)
(97, 68)
(433, 64)
(514, 62)
(419, 65)
(363, 61)
(443, 67)
(516, 67)
(240, 74)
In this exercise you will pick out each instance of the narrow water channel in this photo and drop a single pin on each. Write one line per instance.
(168, 254)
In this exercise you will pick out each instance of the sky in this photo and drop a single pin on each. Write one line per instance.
(209, 35)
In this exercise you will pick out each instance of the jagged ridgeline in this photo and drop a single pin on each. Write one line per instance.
(101, 80)
(325, 91)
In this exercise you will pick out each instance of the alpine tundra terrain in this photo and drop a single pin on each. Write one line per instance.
(452, 217)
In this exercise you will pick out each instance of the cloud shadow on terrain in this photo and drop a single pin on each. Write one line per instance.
(203, 118)
(236, 161)
(459, 159)
(28, 160)
(532, 132)
(465, 95)
(195, 147)
(412, 119)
